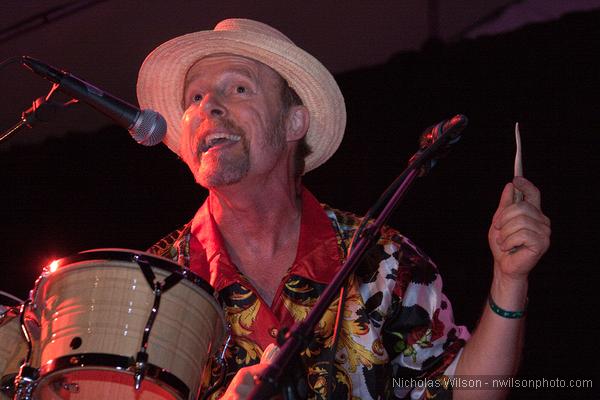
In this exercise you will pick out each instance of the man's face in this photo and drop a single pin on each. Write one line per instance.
(233, 120)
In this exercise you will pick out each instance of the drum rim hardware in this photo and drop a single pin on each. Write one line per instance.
(111, 362)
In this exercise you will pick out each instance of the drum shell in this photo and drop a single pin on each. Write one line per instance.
(102, 307)
(13, 348)
(13, 345)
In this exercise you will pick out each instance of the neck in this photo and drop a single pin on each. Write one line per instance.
(261, 204)
(261, 229)
(256, 211)
(256, 216)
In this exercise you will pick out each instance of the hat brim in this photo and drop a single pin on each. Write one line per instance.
(162, 75)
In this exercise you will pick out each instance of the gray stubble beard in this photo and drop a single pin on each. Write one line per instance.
(227, 171)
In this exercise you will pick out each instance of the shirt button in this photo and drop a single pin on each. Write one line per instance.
(274, 332)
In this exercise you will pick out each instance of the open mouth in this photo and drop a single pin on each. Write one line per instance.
(218, 140)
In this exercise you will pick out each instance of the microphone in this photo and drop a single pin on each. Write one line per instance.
(147, 127)
(449, 128)
(438, 140)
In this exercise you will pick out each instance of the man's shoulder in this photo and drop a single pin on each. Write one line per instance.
(348, 223)
(394, 257)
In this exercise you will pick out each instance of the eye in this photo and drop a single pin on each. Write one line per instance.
(240, 89)
(196, 98)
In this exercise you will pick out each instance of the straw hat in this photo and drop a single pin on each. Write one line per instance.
(162, 75)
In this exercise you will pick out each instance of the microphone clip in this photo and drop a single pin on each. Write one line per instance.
(43, 109)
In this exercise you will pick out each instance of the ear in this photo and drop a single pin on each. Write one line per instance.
(297, 123)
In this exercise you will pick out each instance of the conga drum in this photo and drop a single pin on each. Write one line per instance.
(121, 324)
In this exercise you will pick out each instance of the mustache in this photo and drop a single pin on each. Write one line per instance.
(229, 125)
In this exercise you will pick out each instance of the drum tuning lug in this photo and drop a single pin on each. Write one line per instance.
(63, 384)
(141, 364)
(137, 378)
(27, 373)
(71, 387)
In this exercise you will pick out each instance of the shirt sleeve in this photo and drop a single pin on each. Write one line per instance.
(420, 335)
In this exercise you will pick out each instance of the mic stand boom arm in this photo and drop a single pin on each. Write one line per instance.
(434, 143)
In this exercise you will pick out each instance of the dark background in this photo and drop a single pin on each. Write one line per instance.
(100, 189)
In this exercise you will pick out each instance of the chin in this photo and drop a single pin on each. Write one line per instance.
(218, 171)
(221, 177)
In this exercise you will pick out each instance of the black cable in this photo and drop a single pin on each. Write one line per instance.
(44, 18)
(9, 61)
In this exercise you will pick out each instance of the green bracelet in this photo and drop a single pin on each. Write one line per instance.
(502, 312)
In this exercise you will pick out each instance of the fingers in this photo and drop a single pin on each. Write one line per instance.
(506, 198)
(505, 201)
(535, 242)
(520, 224)
(243, 382)
(523, 230)
(247, 383)
(508, 210)
(531, 193)
(269, 354)
(520, 232)
(518, 210)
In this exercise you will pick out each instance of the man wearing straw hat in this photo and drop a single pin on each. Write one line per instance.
(250, 113)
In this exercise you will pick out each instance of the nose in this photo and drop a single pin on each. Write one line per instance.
(211, 106)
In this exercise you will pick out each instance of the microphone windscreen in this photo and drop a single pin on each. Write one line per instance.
(149, 128)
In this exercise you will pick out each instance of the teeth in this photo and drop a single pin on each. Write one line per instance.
(210, 139)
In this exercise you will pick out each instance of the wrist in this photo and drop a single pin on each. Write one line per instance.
(509, 292)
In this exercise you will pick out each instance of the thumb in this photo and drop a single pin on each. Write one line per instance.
(506, 199)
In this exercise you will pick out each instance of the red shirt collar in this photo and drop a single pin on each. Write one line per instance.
(317, 257)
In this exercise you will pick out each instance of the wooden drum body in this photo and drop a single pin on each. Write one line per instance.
(13, 349)
(93, 310)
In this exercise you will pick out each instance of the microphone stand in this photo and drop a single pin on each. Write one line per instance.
(435, 143)
(42, 110)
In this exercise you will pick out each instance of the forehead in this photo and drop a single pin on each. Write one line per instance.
(216, 64)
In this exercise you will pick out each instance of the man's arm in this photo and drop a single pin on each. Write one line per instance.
(518, 237)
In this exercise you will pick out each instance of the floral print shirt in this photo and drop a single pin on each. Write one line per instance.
(396, 322)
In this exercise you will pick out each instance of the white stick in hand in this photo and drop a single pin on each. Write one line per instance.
(518, 195)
